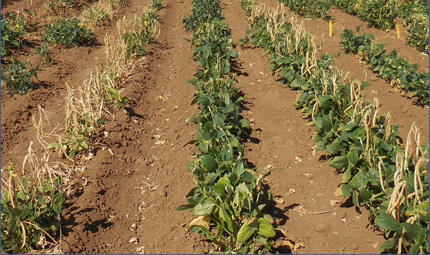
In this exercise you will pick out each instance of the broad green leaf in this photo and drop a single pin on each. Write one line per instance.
(204, 209)
(387, 221)
(224, 216)
(247, 229)
(20, 195)
(386, 245)
(229, 108)
(244, 124)
(224, 181)
(346, 175)
(359, 180)
(355, 199)
(339, 162)
(184, 207)
(345, 190)
(204, 100)
(265, 228)
(219, 119)
(365, 194)
(208, 162)
(297, 83)
(423, 210)
(335, 148)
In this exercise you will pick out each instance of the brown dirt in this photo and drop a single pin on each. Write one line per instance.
(137, 177)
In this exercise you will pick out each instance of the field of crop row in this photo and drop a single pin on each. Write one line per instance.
(255, 134)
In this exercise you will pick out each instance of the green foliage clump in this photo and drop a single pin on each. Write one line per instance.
(397, 70)
(309, 8)
(29, 211)
(18, 77)
(69, 33)
(12, 32)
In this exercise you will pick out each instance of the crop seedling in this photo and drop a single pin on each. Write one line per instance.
(12, 32)
(143, 31)
(18, 77)
(69, 33)
(57, 7)
(45, 54)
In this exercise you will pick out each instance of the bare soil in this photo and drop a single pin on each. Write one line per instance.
(138, 175)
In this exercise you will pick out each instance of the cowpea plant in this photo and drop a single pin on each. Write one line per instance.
(229, 199)
(379, 174)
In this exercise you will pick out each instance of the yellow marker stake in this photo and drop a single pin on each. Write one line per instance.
(398, 30)
(330, 28)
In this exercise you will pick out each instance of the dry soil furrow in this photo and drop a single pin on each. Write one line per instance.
(128, 204)
(303, 181)
(73, 67)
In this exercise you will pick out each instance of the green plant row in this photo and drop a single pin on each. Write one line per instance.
(390, 181)
(398, 71)
(229, 199)
(314, 9)
(378, 13)
(416, 17)
(381, 14)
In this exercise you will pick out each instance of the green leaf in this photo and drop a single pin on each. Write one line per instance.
(345, 190)
(359, 180)
(229, 108)
(423, 209)
(387, 221)
(335, 148)
(386, 245)
(208, 162)
(246, 231)
(355, 199)
(339, 162)
(244, 123)
(265, 228)
(204, 209)
(365, 194)
(297, 83)
(346, 175)
(224, 216)
(184, 207)
(20, 195)
(219, 119)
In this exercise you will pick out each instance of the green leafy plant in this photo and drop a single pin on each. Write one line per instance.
(29, 211)
(99, 16)
(143, 31)
(57, 7)
(45, 53)
(12, 32)
(18, 77)
(398, 71)
(309, 8)
(69, 33)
